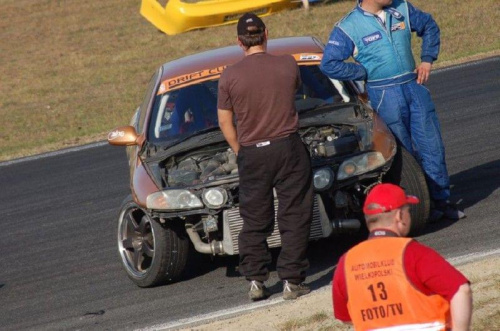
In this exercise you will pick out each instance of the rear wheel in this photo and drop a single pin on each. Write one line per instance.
(407, 173)
(151, 253)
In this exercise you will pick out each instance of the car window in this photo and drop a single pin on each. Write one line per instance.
(143, 109)
(316, 85)
(183, 112)
(179, 113)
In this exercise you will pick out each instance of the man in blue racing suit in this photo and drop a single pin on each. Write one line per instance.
(377, 34)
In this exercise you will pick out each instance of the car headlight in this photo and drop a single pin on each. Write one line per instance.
(360, 164)
(173, 200)
(214, 197)
(323, 179)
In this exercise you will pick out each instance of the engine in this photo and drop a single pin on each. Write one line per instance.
(328, 141)
(208, 165)
(200, 168)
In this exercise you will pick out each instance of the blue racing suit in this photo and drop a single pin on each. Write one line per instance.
(384, 60)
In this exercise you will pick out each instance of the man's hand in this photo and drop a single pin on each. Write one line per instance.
(228, 129)
(423, 71)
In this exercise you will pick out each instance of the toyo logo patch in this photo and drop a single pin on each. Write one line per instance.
(371, 38)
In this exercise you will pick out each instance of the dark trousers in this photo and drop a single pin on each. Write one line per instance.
(285, 165)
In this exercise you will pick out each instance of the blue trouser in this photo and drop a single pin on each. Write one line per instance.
(409, 112)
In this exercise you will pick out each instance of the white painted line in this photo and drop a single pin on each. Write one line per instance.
(466, 64)
(50, 154)
(472, 257)
(215, 315)
(222, 314)
(225, 314)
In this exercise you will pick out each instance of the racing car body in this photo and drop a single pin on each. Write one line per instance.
(184, 176)
(178, 16)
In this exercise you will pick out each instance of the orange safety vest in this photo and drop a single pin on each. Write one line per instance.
(381, 297)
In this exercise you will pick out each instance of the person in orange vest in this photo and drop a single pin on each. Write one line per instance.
(390, 282)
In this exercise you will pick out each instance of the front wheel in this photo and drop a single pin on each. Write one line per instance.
(151, 253)
(407, 173)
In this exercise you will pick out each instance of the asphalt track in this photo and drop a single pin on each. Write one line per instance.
(59, 266)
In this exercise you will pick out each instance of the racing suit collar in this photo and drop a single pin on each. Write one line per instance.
(396, 14)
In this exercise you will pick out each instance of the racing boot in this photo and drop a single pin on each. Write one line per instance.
(447, 210)
(293, 291)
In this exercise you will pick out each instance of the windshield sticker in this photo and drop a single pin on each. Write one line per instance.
(189, 79)
(308, 57)
(208, 74)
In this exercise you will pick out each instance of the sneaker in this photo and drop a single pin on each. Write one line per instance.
(258, 291)
(293, 291)
(448, 209)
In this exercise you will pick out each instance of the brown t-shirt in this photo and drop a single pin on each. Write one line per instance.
(260, 89)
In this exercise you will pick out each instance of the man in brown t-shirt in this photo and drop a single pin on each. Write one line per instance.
(259, 91)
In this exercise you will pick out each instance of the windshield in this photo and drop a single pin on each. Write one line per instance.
(180, 113)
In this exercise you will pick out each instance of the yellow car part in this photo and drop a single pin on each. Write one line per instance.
(178, 16)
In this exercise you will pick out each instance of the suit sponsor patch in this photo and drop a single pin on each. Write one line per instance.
(398, 26)
(394, 13)
(372, 37)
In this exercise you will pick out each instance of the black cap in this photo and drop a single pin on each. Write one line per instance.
(247, 21)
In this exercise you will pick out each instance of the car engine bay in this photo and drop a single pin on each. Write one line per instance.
(214, 162)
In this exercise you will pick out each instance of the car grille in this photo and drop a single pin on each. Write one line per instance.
(233, 224)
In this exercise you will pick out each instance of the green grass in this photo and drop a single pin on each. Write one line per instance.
(73, 70)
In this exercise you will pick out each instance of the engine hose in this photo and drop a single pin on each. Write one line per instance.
(214, 247)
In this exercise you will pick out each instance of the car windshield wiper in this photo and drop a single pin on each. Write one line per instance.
(191, 135)
(205, 130)
(313, 104)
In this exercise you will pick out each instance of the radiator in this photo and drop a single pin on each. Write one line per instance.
(233, 224)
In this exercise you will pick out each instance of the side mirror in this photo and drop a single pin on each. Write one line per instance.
(123, 136)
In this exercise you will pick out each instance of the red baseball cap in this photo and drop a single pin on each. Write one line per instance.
(386, 197)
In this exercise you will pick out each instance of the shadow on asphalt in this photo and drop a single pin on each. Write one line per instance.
(475, 184)
(322, 254)
(470, 187)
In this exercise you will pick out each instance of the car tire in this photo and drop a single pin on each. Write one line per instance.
(407, 173)
(151, 253)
